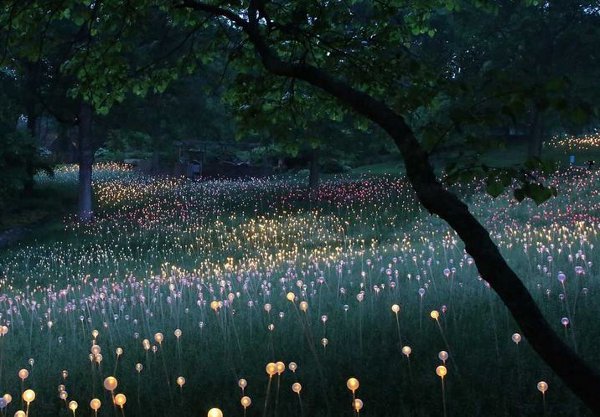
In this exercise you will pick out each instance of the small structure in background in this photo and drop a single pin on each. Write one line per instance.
(210, 159)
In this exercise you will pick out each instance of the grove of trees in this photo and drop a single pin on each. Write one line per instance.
(424, 74)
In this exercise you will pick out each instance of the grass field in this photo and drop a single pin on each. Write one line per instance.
(212, 281)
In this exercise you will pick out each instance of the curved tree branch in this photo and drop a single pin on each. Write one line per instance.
(583, 380)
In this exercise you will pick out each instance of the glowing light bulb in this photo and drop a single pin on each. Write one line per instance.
(95, 404)
(441, 371)
(120, 400)
(28, 396)
(23, 374)
(407, 350)
(357, 404)
(293, 366)
(110, 383)
(290, 296)
(271, 369)
(352, 384)
(159, 337)
(215, 412)
(242, 383)
(180, 381)
(280, 367)
(516, 337)
(297, 387)
(435, 314)
(246, 401)
(542, 387)
(396, 308)
(73, 406)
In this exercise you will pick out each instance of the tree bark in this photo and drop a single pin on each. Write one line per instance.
(313, 174)
(583, 380)
(31, 83)
(536, 135)
(85, 157)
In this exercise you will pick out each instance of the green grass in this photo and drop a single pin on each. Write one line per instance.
(161, 250)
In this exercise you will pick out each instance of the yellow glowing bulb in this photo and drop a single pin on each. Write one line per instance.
(290, 296)
(73, 406)
(352, 384)
(441, 371)
(296, 387)
(280, 367)
(180, 381)
(120, 400)
(159, 337)
(20, 413)
(357, 404)
(7, 398)
(110, 383)
(435, 314)
(28, 396)
(396, 308)
(214, 305)
(271, 369)
(215, 412)
(242, 383)
(304, 306)
(542, 387)
(246, 402)
(407, 350)
(23, 374)
(95, 404)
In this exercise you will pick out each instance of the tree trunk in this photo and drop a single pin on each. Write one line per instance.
(536, 135)
(85, 156)
(29, 169)
(583, 380)
(313, 174)
(31, 83)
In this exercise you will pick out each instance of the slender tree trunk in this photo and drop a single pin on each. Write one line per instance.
(31, 86)
(536, 135)
(29, 182)
(313, 174)
(85, 210)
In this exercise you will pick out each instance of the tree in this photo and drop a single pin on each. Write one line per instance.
(362, 54)
(531, 68)
(93, 59)
(271, 27)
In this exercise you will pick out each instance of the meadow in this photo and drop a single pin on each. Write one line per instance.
(261, 298)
